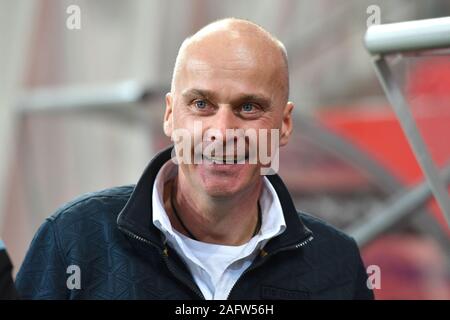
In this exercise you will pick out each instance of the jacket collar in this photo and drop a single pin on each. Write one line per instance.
(136, 216)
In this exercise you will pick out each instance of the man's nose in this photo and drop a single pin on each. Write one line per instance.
(224, 119)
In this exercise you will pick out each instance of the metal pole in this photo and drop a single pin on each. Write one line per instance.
(398, 209)
(408, 124)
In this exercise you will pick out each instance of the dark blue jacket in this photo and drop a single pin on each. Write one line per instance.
(119, 254)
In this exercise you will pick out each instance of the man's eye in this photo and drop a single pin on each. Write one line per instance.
(248, 107)
(200, 104)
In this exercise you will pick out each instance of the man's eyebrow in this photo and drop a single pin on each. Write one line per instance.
(197, 93)
(260, 99)
(240, 98)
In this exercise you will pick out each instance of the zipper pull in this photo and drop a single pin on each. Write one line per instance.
(263, 253)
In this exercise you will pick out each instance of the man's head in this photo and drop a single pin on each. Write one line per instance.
(232, 74)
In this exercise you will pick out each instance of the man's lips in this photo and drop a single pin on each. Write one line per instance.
(226, 159)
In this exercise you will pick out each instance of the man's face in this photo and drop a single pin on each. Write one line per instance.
(227, 87)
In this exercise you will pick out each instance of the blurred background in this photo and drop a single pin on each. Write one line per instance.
(81, 110)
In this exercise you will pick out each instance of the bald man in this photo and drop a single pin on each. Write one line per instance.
(209, 218)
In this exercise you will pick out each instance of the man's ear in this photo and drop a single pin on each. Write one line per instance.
(168, 116)
(286, 125)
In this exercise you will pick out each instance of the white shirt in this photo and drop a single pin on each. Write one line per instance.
(216, 268)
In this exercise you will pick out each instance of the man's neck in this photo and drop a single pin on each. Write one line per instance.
(225, 221)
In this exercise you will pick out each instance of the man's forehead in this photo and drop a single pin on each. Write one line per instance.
(227, 76)
(222, 63)
(242, 59)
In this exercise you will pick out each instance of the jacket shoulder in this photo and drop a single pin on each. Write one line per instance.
(110, 201)
(329, 240)
(323, 229)
(78, 233)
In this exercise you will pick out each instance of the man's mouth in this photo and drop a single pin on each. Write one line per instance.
(225, 159)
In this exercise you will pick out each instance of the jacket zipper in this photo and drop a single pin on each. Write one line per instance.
(188, 283)
(298, 245)
(166, 261)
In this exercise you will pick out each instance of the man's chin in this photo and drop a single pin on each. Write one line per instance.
(225, 187)
(222, 189)
(222, 180)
